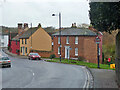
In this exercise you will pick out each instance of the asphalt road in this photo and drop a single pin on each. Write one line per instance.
(26, 73)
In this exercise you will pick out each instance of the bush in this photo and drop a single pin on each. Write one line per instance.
(52, 56)
(81, 58)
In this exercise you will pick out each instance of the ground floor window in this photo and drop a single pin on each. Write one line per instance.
(76, 51)
(26, 49)
(21, 49)
(58, 50)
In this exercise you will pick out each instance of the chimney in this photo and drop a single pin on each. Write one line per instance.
(74, 25)
(19, 25)
(20, 28)
(25, 25)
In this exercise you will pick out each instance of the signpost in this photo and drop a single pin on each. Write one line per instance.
(97, 40)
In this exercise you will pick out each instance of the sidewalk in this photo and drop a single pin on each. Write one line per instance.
(14, 55)
(104, 78)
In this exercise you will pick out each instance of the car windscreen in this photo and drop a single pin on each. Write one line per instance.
(4, 58)
(36, 54)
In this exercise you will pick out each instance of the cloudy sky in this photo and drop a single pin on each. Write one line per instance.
(40, 11)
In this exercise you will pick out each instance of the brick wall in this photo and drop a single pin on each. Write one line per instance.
(14, 46)
(87, 47)
(44, 53)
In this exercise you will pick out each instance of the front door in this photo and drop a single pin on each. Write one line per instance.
(23, 50)
(67, 52)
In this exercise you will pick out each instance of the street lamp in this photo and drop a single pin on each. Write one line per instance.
(59, 31)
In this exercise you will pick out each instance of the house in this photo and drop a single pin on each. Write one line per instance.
(4, 40)
(15, 42)
(76, 42)
(5, 33)
(35, 39)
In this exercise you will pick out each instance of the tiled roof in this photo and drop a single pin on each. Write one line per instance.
(28, 33)
(18, 35)
(6, 30)
(76, 31)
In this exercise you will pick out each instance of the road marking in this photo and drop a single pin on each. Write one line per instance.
(86, 85)
(33, 74)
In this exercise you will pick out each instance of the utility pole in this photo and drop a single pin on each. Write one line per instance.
(59, 31)
(31, 35)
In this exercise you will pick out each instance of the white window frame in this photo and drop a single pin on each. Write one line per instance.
(58, 50)
(76, 40)
(58, 40)
(76, 51)
(67, 40)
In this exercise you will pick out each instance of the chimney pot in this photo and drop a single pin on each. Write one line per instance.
(25, 25)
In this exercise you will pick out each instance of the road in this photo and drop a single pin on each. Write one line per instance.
(26, 73)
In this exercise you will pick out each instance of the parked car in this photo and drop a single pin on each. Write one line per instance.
(32, 56)
(5, 61)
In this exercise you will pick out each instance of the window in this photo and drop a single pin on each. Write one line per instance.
(22, 41)
(21, 49)
(26, 49)
(2, 37)
(76, 51)
(58, 40)
(67, 40)
(16, 42)
(58, 50)
(25, 41)
(76, 40)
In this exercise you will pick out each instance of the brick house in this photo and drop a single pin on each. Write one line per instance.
(81, 41)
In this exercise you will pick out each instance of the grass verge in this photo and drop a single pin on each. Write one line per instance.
(82, 63)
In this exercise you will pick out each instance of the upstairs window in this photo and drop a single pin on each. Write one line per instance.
(16, 42)
(58, 40)
(76, 51)
(67, 40)
(76, 40)
(25, 41)
(22, 41)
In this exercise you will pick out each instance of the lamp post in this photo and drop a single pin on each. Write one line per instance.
(59, 31)
(98, 42)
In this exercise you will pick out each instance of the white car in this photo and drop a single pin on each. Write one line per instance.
(4, 61)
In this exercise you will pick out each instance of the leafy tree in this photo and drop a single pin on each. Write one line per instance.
(105, 16)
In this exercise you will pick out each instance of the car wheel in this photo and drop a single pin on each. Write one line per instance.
(30, 58)
(9, 65)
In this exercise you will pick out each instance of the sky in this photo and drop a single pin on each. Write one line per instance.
(40, 11)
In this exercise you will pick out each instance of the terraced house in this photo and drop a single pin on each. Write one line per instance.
(35, 39)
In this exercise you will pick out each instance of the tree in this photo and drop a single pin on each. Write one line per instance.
(105, 16)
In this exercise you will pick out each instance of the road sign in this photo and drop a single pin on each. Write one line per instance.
(97, 40)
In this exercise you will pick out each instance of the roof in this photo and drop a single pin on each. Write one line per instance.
(76, 32)
(6, 30)
(17, 36)
(28, 33)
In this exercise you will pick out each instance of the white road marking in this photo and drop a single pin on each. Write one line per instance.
(33, 74)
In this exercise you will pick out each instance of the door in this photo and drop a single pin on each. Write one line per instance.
(67, 52)
(23, 50)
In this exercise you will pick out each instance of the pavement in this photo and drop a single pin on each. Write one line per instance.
(102, 78)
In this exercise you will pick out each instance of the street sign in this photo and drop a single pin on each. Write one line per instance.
(97, 40)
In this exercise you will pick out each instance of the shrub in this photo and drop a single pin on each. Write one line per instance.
(52, 56)
(81, 58)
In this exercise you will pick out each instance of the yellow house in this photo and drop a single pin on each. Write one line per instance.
(35, 39)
